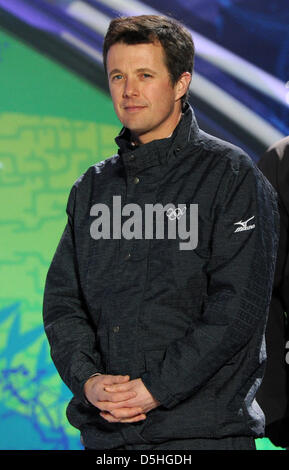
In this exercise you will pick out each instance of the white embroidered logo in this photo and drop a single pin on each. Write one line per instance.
(177, 213)
(244, 225)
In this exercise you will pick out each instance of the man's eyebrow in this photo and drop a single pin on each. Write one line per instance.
(146, 69)
(114, 71)
(142, 69)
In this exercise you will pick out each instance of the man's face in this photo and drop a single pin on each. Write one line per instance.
(143, 96)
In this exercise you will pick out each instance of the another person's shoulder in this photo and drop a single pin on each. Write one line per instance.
(279, 149)
(274, 160)
(275, 154)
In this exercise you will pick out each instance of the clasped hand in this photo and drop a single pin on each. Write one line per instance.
(119, 398)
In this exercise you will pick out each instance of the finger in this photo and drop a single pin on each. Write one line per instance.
(117, 397)
(110, 406)
(124, 413)
(117, 411)
(118, 387)
(116, 379)
(108, 417)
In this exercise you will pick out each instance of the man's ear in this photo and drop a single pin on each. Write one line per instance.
(183, 84)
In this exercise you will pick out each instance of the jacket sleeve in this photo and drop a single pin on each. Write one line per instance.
(276, 171)
(239, 281)
(66, 320)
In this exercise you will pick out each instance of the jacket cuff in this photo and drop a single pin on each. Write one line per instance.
(158, 389)
(80, 376)
(84, 396)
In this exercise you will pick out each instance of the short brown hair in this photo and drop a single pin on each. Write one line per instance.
(176, 41)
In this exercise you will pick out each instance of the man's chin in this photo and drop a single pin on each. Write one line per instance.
(138, 135)
(136, 131)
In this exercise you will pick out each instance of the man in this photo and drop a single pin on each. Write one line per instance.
(273, 393)
(173, 328)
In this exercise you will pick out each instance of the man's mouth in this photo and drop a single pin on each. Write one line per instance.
(133, 108)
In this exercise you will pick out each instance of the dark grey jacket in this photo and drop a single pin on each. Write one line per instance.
(190, 323)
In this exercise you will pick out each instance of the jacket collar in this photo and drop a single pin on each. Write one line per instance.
(157, 152)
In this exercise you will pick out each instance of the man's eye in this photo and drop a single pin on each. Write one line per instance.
(117, 77)
(147, 75)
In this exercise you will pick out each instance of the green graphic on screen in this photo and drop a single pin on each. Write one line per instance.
(53, 126)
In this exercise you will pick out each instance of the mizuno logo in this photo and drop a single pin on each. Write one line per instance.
(244, 226)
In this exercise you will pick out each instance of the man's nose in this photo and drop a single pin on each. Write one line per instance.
(130, 88)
